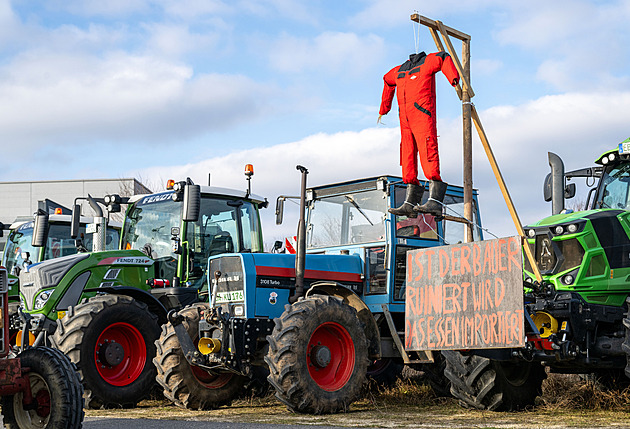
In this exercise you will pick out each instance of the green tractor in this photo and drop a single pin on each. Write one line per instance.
(104, 309)
(577, 318)
(19, 251)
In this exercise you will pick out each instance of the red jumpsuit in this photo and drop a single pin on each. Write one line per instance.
(416, 104)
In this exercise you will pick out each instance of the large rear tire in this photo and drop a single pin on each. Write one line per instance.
(56, 390)
(188, 386)
(318, 356)
(435, 377)
(111, 340)
(485, 384)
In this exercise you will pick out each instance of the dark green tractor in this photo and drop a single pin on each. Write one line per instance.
(578, 315)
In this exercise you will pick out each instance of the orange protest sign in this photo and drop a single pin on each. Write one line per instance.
(465, 296)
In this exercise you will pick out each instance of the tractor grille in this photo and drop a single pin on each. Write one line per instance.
(4, 281)
(230, 289)
(553, 257)
(45, 275)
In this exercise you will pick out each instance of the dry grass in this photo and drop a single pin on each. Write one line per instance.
(567, 401)
(563, 392)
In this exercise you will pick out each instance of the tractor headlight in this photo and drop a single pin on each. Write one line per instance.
(531, 233)
(611, 157)
(42, 299)
(559, 229)
(572, 228)
(568, 279)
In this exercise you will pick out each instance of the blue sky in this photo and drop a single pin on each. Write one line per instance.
(160, 89)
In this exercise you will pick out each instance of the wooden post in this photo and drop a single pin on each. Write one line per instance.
(467, 146)
(504, 191)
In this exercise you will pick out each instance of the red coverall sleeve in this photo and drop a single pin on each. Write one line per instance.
(449, 70)
(388, 91)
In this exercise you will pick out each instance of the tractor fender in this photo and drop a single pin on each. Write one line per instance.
(353, 300)
(154, 305)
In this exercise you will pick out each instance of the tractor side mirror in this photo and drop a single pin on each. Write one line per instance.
(75, 221)
(569, 191)
(192, 203)
(279, 210)
(547, 192)
(40, 229)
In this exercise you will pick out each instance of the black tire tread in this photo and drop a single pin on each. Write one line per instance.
(480, 383)
(66, 391)
(288, 373)
(175, 375)
(71, 332)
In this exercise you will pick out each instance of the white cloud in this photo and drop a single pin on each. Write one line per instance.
(329, 52)
(300, 11)
(119, 97)
(386, 13)
(174, 40)
(581, 43)
(109, 8)
(8, 21)
(486, 66)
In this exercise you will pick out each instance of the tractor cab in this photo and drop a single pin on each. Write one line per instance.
(351, 218)
(180, 244)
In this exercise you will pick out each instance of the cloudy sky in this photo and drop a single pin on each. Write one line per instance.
(159, 89)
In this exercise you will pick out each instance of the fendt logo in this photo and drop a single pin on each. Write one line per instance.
(126, 260)
(156, 198)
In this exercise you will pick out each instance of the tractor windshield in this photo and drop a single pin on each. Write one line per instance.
(148, 226)
(57, 244)
(614, 186)
(18, 244)
(347, 219)
(224, 226)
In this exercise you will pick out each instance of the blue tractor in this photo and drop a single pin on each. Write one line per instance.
(317, 322)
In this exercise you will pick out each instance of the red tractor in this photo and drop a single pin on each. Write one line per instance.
(40, 387)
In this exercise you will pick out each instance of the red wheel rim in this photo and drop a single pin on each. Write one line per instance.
(43, 403)
(330, 356)
(210, 381)
(120, 354)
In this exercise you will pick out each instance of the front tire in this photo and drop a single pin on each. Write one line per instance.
(318, 356)
(384, 372)
(110, 338)
(486, 384)
(187, 386)
(56, 391)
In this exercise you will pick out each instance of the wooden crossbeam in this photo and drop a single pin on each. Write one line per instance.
(504, 190)
(432, 24)
(440, 46)
(449, 46)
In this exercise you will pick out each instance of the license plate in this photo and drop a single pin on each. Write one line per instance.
(230, 296)
(624, 147)
(90, 228)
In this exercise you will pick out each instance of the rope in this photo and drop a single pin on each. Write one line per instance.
(436, 233)
(416, 33)
(463, 217)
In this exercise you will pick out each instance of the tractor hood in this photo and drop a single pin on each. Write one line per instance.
(44, 275)
(574, 217)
